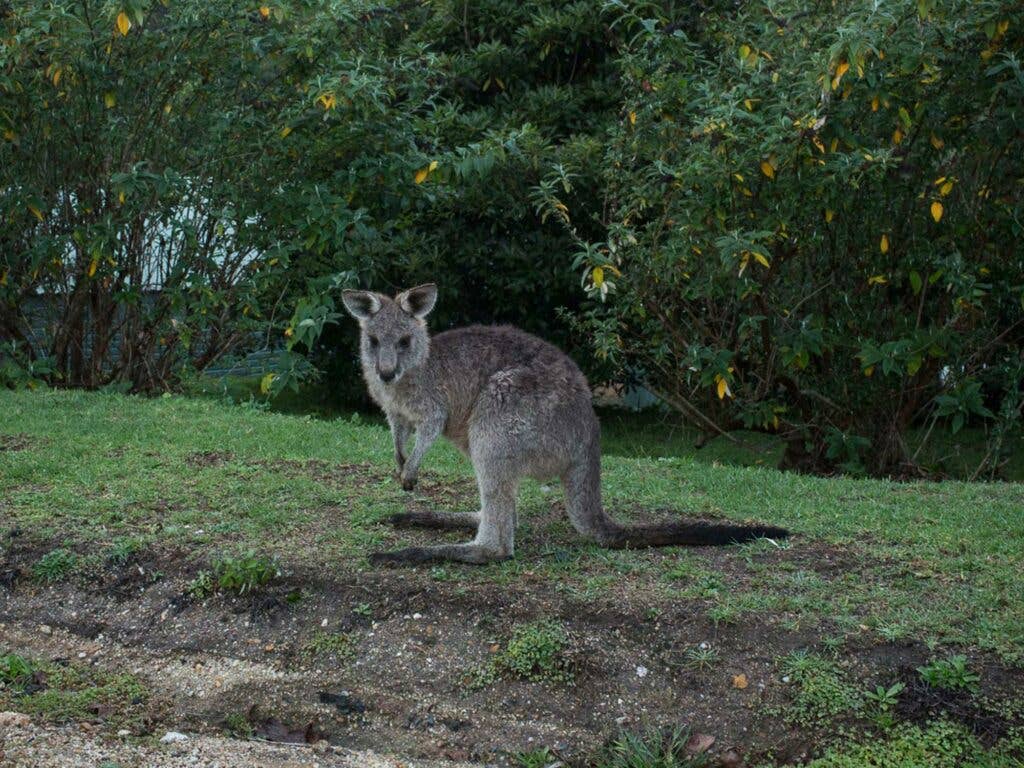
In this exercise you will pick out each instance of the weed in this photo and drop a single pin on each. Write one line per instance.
(15, 670)
(652, 750)
(336, 644)
(55, 565)
(537, 758)
(950, 674)
(363, 609)
(881, 703)
(822, 693)
(123, 550)
(76, 693)
(238, 726)
(723, 613)
(537, 651)
(701, 657)
(201, 586)
(939, 744)
(243, 573)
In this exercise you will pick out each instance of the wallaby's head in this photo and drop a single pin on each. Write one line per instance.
(393, 338)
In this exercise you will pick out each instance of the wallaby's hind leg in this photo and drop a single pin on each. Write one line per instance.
(495, 536)
(438, 521)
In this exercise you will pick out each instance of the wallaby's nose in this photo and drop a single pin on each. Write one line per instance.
(386, 376)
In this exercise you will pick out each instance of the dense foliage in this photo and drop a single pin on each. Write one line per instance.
(813, 225)
(790, 217)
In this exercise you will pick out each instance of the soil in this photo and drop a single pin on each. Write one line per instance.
(406, 686)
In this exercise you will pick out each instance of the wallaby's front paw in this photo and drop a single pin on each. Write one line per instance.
(408, 481)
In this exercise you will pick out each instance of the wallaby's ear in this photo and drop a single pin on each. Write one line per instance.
(418, 301)
(362, 305)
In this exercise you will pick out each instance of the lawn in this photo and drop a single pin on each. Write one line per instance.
(252, 529)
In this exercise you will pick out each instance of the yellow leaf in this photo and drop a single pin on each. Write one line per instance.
(289, 332)
(829, 215)
(946, 188)
(939, 180)
(265, 11)
(767, 169)
(835, 145)
(883, 244)
(738, 177)
(35, 212)
(327, 100)
(937, 142)
(123, 23)
(869, 370)
(878, 280)
(598, 276)
(57, 74)
(818, 143)
(722, 388)
(740, 681)
(92, 266)
(936, 210)
(421, 174)
(9, 135)
(632, 118)
(120, 197)
(744, 51)
(109, 99)
(840, 71)
(761, 259)
(285, 131)
(432, 167)
(3, 278)
(897, 136)
(749, 105)
(874, 104)
(266, 382)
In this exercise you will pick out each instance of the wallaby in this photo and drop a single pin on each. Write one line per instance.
(516, 406)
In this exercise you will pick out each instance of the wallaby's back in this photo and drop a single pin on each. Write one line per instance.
(501, 362)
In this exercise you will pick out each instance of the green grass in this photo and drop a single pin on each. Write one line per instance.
(937, 562)
(71, 692)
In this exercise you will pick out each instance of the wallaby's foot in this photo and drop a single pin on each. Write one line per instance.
(463, 553)
(408, 480)
(439, 521)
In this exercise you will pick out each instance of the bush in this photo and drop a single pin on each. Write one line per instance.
(812, 222)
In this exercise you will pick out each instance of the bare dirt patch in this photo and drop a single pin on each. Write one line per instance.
(405, 683)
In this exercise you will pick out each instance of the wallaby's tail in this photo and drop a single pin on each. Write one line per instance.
(686, 534)
(583, 502)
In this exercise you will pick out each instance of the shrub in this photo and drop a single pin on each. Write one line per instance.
(812, 222)
(243, 573)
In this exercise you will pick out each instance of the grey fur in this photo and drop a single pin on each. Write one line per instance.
(516, 406)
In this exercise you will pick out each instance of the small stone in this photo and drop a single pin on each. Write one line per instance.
(82, 654)
(173, 737)
(323, 623)
(46, 629)
(730, 759)
(124, 732)
(417, 616)
(641, 671)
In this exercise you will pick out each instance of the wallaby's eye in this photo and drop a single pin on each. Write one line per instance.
(404, 342)
(374, 341)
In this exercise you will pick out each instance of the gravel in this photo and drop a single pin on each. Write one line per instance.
(24, 744)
